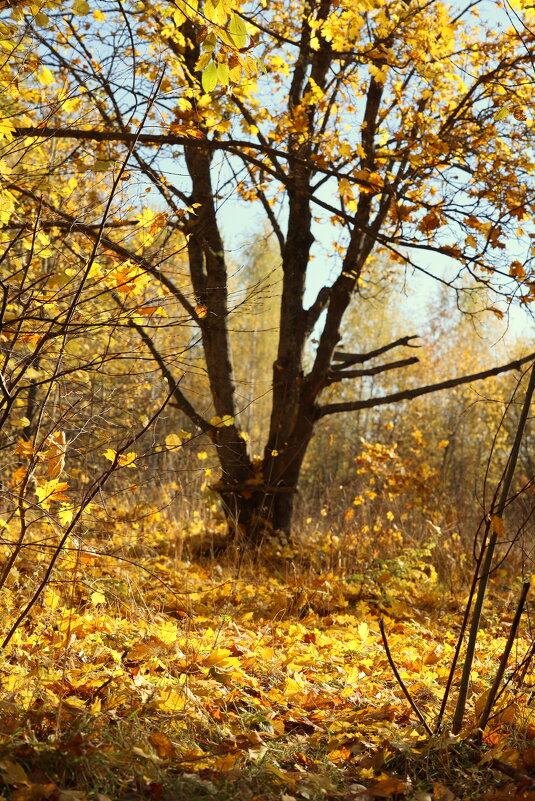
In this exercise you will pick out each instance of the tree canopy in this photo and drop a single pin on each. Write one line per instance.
(394, 127)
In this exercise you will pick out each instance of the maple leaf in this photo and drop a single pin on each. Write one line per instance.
(516, 269)
(25, 448)
(54, 456)
(50, 491)
(123, 459)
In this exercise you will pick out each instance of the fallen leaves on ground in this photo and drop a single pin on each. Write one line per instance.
(147, 676)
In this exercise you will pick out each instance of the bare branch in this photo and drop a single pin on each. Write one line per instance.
(348, 359)
(180, 399)
(409, 394)
(339, 375)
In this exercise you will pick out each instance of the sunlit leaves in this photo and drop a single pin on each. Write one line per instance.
(221, 422)
(150, 224)
(6, 129)
(173, 441)
(266, 660)
(81, 8)
(209, 77)
(121, 459)
(51, 491)
(238, 31)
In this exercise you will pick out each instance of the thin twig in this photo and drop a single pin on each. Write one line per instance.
(401, 683)
(496, 525)
(458, 646)
(504, 657)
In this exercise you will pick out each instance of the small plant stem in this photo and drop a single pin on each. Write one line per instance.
(504, 657)
(458, 645)
(487, 560)
(401, 683)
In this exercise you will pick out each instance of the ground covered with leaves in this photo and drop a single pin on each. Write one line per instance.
(144, 672)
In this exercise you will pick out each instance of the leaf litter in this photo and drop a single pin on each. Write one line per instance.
(150, 676)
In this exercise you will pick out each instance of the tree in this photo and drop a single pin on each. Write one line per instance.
(384, 124)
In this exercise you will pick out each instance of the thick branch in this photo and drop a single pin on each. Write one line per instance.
(348, 359)
(237, 147)
(319, 305)
(409, 394)
(46, 224)
(339, 375)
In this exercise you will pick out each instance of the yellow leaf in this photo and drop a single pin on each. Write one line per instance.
(97, 598)
(379, 73)
(167, 632)
(221, 658)
(124, 460)
(110, 454)
(127, 459)
(219, 422)
(51, 599)
(363, 631)
(238, 31)
(209, 77)
(66, 514)
(171, 701)
(51, 491)
(81, 8)
(21, 422)
(173, 441)
(41, 19)
(502, 114)
(45, 77)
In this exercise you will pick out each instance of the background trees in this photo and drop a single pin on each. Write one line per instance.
(372, 129)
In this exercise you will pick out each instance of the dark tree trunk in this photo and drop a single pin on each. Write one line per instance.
(263, 505)
(263, 513)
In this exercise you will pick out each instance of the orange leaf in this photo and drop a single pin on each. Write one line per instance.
(162, 745)
(388, 786)
(147, 311)
(158, 223)
(497, 526)
(442, 793)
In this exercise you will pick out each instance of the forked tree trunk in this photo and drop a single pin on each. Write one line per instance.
(263, 505)
(259, 499)
(263, 513)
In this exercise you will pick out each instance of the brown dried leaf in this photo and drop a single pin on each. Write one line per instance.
(162, 745)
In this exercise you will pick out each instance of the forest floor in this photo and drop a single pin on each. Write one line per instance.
(144, 674)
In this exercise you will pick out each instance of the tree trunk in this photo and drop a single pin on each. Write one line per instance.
(263, 504)
(254, 515)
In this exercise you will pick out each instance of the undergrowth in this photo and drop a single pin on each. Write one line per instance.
(149, 671)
